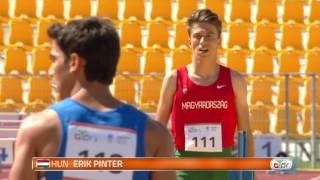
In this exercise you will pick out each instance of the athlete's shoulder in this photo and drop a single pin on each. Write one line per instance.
(158, 139)
(37, 129)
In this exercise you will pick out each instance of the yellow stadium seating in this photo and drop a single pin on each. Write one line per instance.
(161, 8)
(39, 90)
(15, 60)
(185, 8)
(134, 8)
(20, 33)
(53, 9)
(313, 39)
(240, 9)
(41, 35)
(293, 91)
(25, 9)
(280, 122)
(262, 62)
(40, 61)
(307, 95)
(312, 61)
(259, 120)
(291, 36)
(293, 10)
(129, 61)
(2, 45)
(261, 91)
(265, 35)
(314, 11)
(217, 7)
(236, 60)
(11, 90)
(4, 11)
(130, 33)
(78, 10)
(180, 57)
(154, 62)
(150, 93)
(108, 8)
(238, 35)
(180, 35)
(124, 90)
(306, 121)
(289, 62)
(267, 10)
(158, 34)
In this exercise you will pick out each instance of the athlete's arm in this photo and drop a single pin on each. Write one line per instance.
(36, 135)
(166, 98)
(240, 90)
(158, 143)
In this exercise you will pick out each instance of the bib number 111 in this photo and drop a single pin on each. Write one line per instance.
(204, 141)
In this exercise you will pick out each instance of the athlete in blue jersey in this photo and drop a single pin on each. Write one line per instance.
(91, 123)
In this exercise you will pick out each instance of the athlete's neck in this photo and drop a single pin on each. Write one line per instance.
(96, 96)
(205, 68)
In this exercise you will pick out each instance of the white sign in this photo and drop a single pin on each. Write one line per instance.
(88, 140)
(203, 137)
(6, 150)
(267, 145)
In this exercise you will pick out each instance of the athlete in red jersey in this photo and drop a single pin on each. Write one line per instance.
(207, 101)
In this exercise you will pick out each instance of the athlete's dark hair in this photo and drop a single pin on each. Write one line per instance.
(204, 15)
(95, 40)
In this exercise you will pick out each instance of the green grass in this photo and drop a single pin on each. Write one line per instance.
(303, 165)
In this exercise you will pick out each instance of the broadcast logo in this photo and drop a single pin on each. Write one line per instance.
(281, 164)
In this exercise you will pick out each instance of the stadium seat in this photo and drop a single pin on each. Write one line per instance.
(237, 60)
(313, 39)
(267, 10)
(238, 35)
(240, 9)
(291, 36)
(42, 28)
(261, 91)
(40, 60)
(185, 8)
(11, 92)
(162, 9)
(134, 8)
(158, 34)
(53, 9)
(15, 60)
(180, 57)
(262, 62)
(314, 11)
(129, 62)
(150, 93)
(217, 7)
(259, 120)
(130, 33)
(265, 35)
(180, 35)
(4, 11)
(39, 90)
(20, 34)
(293, 91)
(108, 8)
(2, 45)
(124, 89)
(312, 61)
(307, 93)
(25, 9)
(78, 10)
(289, 62)
(280, 122)
(306, 121)
(154, 62)
(293, 10)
